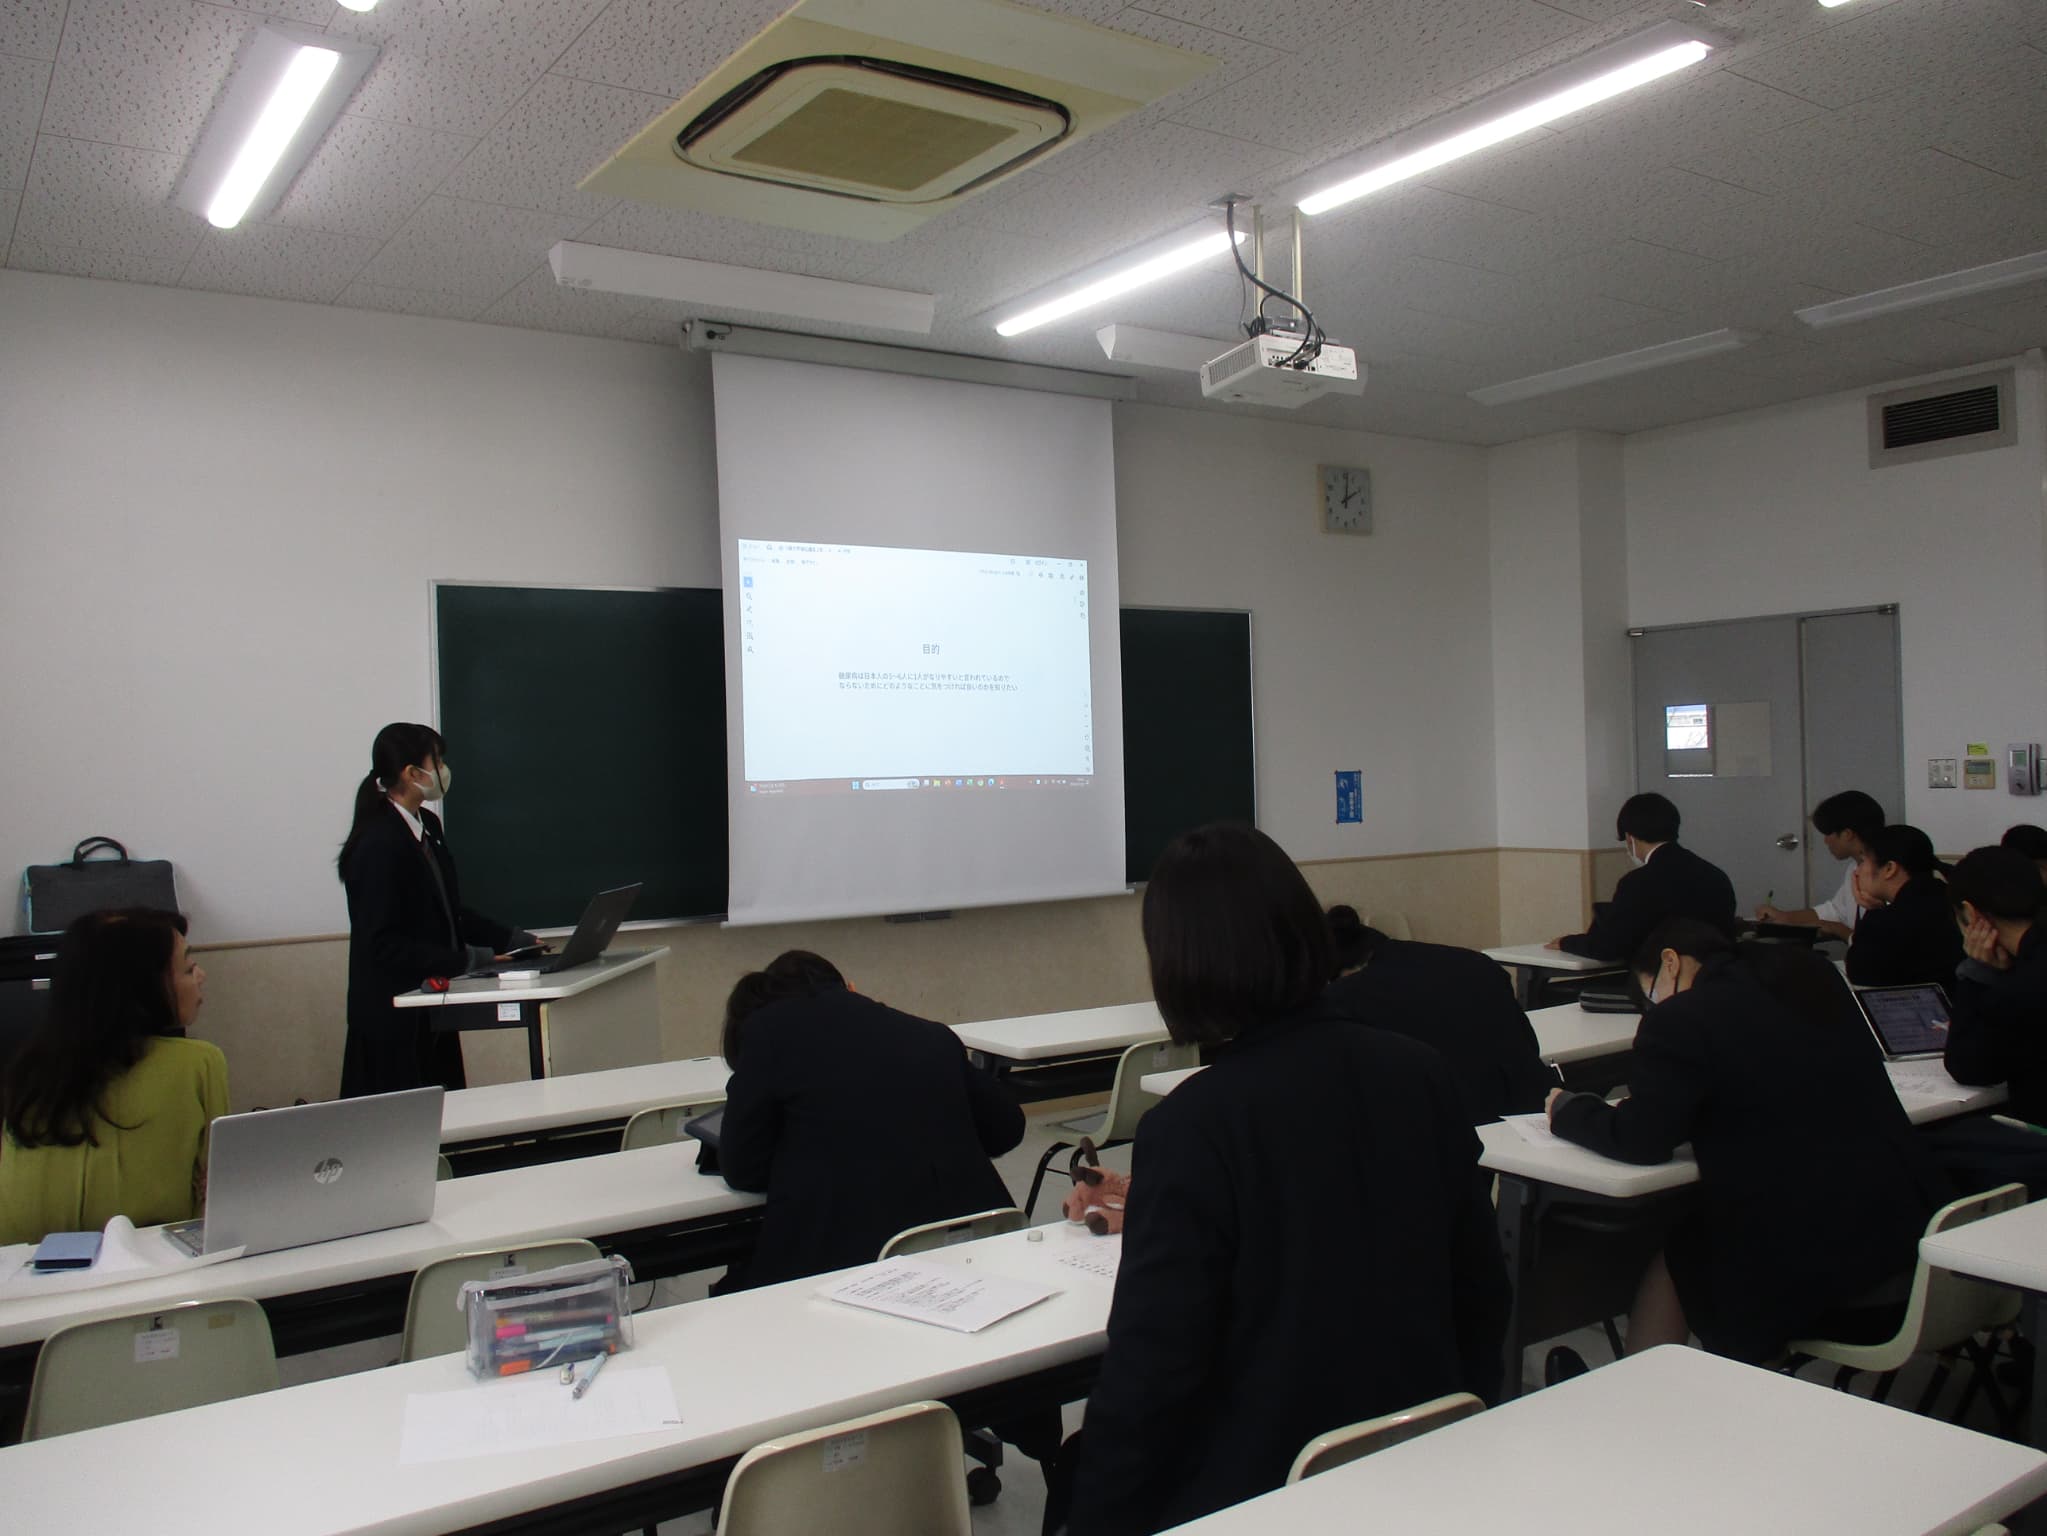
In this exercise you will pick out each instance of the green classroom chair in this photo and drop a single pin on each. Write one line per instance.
(434, 1326)
(662, 1124)
(1356, 1441)
(115, 1369)
(443, 1169)
(879, 1475)
(957, 1229)
(1128, 1103)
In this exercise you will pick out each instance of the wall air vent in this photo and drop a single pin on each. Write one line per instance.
(1935, 420)
(867, 117)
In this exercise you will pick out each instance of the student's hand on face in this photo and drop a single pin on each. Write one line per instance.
(1549, 1105)
(1980, 941)
(1865, 898)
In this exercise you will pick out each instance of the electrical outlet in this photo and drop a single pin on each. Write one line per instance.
(1940, 772)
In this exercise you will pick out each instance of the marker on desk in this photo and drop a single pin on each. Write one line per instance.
(583, 1385)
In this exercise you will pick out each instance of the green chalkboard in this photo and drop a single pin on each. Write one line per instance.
(586, 728)
(1187, 734)
(587, 731)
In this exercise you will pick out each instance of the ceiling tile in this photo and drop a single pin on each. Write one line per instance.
(116, 266)
(275, 262)
(1848, 258)
(368, 177)
(459, 65)
(541, 304)
(142, 73)
(2006, 133)
(1235, 58)
(664, 47)
(31, 28)
(22, 82)
(2019, 322)
(1604, 10)
(559, 132)
(10, 204)
(407, 301)
(631, 226)
(105, 197)
(1692, 113)
(1881, 50)
(475, 250)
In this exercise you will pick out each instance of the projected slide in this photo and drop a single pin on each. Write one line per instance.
(866, 669)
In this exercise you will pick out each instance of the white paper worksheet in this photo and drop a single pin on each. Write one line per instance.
(530, 1412)
(936, 1293)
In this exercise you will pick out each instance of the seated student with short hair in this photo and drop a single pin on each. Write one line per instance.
(857, 1121)
(1907, 933)
(1808, 1200)
(1668, 881)
(1307, 1242)
(2029, 840)
(1453, 999)
(1845, 822)
(105, 1108)
(1998, 1033)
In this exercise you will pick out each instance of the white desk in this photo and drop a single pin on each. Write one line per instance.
(1674, 1441)
(1531, 963)
(584, 1099)
(1047, 1037)
(322, 1459)
(2010, 1249)
(585, 1019)
(620, 1193)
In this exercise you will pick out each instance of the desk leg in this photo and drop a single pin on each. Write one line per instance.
(536, 1045)
(1517, 1244)
(2033, 1322)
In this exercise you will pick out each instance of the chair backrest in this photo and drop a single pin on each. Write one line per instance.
(881, 1475)
(1357, 1440)
(1393, 924)
(1127, 1101)
(1946, 1308)
(120, 1368)
(663, 1123)
(434, 1326)
(959, 1229)
(443, 1169)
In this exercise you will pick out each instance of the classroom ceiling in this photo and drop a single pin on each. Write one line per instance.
(1826, 152)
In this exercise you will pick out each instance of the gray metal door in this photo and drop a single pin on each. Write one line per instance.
(1747, 725)
(1717, 730)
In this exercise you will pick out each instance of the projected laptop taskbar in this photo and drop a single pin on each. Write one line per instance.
(951, 784)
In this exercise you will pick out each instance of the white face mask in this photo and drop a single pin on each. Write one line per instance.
(1634, 857)
(438, 782)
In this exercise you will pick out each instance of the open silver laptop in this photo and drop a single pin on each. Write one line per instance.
(279, 1178)
(1910, 1023)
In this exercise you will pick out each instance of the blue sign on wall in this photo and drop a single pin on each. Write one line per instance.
(1350, 795)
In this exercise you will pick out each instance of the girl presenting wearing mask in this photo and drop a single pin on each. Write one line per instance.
(406, 920)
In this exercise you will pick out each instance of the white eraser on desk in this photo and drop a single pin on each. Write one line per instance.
(518, 976)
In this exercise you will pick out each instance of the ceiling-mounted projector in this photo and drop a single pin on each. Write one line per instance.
(1274, 369)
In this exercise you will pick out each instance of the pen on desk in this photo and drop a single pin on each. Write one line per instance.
(583, 1385)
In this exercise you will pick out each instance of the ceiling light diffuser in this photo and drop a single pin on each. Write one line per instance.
(287, 87)
(1520, 108)
(1139, 268)
(1928, 290)
(1662, 355)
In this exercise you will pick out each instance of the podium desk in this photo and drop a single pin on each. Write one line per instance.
(589, 1018)
(508, 1125)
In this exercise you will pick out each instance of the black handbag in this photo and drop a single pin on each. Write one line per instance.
(53, 895)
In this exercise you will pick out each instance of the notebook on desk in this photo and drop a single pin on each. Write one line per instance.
(1910, 1023)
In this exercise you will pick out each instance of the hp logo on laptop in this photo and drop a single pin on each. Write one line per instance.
(327, 1170)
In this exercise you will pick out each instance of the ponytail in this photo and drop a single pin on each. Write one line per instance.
(1907, 847)
(397, 747)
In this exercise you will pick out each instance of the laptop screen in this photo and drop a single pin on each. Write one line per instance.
(1910, 1021)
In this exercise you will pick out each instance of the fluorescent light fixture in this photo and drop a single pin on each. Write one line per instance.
(1621, 364)
(1140, 347)
(1928, 290)
(716, 286)
(1520, 108)
(288, 85)
(1139, 268)
(371, 5)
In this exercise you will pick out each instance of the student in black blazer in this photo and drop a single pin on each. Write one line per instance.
(406, 920)
(1999, 1030)
(857, 1122)
(1306, 1243)
(1668, 881)
(1908, 932)
(1813, 1191)
(1453, 999)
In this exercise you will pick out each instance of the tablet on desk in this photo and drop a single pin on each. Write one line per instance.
(705, 1127)
(1910, 1023)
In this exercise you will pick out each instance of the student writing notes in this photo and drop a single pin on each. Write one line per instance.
(1453, 999)
(1668, 881)
(1999, 1031)
(1846, 823)
(1307, 1242)
(1812, 1189)
(856, 1120)
(106, 1105)
(1907, 933)
(406, 920)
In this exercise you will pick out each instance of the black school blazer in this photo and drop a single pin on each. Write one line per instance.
(1462, 1004)
(399, 933)
(857, 1122)
(1913, 939)
(1308, 1244)
(1999, 1030)
(1674, 883)
(1812, 1188)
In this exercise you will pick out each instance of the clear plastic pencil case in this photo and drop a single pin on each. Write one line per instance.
(552, 1318)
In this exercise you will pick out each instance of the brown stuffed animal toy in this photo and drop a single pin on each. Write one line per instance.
(1099, 1194)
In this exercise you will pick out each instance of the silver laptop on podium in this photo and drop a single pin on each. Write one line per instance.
(280, 1178)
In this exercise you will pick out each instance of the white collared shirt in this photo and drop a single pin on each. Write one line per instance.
(412, 820)
(1841, 907)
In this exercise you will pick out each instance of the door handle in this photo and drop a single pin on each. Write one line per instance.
(1788, 841)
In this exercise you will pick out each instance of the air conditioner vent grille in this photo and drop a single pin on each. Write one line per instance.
(1963, 413)
(1935, 420)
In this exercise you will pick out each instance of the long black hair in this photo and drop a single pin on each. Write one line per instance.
(110, 997)
(398, 746)
(1905, 846)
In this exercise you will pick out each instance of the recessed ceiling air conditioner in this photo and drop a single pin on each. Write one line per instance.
(867, 117)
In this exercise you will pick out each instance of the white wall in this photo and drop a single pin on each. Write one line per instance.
(1778, 512)
(222, 516)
